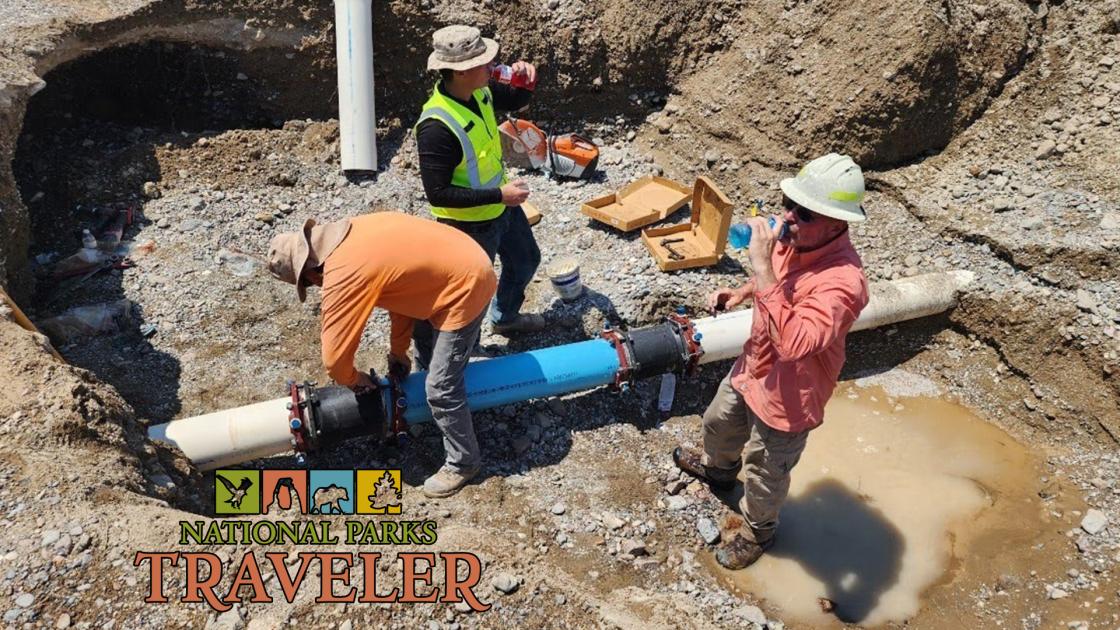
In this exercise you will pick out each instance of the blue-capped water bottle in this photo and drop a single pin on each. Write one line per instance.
(740, 234)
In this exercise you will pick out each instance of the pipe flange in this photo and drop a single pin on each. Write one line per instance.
(626, 365)
(687, 332)
(398, 426)
(298, 419)
(301, 416)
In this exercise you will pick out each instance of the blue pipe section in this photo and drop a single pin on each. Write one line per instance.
(517, 377)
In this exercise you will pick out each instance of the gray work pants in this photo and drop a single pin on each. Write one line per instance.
(445, 355)
(729, 424)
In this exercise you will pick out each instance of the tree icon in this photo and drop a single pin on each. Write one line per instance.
(386, 497)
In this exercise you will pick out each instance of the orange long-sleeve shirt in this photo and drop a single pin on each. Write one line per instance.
(414, 268)
(787, 379)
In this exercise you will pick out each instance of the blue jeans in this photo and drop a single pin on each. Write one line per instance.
(510, 237)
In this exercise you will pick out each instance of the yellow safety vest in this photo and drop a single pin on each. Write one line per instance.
(481, 166)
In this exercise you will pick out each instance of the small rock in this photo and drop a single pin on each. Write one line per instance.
(151, 191)
(505, 583)
(1094, 522)
(677, 503)
(751, 614)
(1033, 223)
(675, 486)
(50, 537)
(708, 529)
(1001, 204)
(24, 600)
(663, 124)
(163, 223)
(346, 625)
(1045, 149)
(266, 217)
(189, 224)
(1054, 592)
(558, 509)
(553, 5)
(63, 621)
(634, 547)
(612, 522)
(1086, 301)
(1110, 220)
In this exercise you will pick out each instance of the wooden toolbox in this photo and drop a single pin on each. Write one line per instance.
(701, 241)
(639, 203)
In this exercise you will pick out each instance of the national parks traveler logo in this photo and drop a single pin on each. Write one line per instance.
(292, 492)
(354, 575)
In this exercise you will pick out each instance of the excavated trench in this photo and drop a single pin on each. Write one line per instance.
(167, 113)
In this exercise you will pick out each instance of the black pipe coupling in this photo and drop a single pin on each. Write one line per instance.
(673, 346)
(324, 416)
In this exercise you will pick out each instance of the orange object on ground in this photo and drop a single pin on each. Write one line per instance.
(414, 268)
(25, 323)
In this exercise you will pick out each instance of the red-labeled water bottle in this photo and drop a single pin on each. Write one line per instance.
(505, 74)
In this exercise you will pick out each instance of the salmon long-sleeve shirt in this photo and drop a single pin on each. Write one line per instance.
(414, 268)
(787, 377)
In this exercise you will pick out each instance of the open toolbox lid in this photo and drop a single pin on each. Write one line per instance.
(639, 203)
(700, 242)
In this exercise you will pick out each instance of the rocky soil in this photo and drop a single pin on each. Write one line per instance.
(986, 129)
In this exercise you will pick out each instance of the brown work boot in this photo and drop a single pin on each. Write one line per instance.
(447, 482)
(689, 460)
(739, 550)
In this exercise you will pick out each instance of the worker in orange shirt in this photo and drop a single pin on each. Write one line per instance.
(419, 271)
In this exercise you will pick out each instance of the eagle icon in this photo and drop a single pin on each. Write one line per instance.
(236, 494)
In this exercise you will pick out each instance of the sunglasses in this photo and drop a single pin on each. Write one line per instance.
(804, 215)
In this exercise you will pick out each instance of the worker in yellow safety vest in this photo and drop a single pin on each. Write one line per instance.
(460, 153)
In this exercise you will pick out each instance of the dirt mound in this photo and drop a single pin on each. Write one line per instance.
(58, 419)
(885, 82)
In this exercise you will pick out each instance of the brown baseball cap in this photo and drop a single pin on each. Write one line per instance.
(291, 253)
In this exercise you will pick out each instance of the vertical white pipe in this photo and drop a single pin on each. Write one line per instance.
(357, 121)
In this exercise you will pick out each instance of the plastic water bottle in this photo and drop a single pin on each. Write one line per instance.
(740, 234)
(89, 251)
(668, 390)
(504, 74)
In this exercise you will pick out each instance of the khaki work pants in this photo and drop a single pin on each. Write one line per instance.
(770, 455)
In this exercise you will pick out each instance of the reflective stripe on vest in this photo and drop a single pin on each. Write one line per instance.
(481, 164)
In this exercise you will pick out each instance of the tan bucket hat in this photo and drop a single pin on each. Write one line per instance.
(460, 47)
(292, 252)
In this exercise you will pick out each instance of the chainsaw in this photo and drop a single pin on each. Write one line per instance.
(525, 146)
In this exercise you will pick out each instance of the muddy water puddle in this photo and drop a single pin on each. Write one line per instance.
(895, 499)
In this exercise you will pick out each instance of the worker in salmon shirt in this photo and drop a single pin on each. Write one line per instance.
(808, 289)
(419, 271)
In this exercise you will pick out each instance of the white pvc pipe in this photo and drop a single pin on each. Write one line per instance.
(357, 122)
(891, 302)
(230, 437)
(260, 430)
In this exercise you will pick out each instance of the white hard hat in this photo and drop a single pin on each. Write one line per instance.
(831, 185)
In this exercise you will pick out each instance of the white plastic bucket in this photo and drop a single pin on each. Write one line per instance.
(564, 275)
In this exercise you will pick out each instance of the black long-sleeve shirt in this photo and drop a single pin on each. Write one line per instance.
(440, 151)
